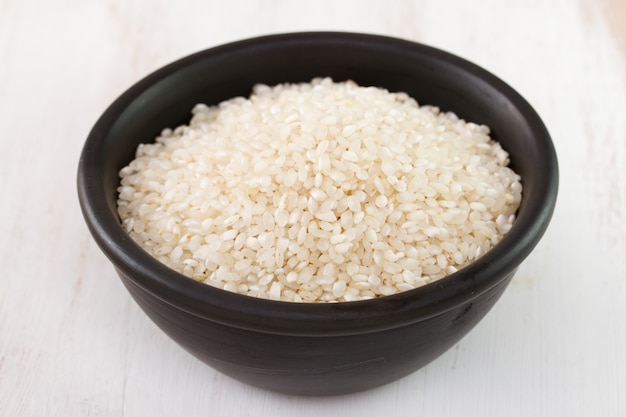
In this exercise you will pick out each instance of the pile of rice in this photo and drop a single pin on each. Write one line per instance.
(319, 192)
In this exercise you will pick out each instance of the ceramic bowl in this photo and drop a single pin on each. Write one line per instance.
(316, 349)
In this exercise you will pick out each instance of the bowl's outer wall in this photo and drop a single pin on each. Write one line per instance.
(222, 328)
(309, 365)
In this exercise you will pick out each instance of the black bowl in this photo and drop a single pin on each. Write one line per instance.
(316, 349)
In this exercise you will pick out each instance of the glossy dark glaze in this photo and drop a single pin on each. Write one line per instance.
(316, 349)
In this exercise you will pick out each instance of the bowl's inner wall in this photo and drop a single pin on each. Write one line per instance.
(430, 78)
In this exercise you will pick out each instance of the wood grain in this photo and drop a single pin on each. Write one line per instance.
(72, 342)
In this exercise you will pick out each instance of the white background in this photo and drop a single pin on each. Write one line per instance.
(73, 343)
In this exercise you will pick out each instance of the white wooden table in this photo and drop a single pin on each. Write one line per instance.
(73, 343)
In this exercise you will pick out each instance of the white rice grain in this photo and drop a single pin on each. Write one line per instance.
(319, 192)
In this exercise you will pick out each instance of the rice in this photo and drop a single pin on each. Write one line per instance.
(319, 192)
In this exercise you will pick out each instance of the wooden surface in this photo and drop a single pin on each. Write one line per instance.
(72, 343)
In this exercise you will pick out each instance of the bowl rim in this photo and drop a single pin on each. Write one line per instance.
(320, 319)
